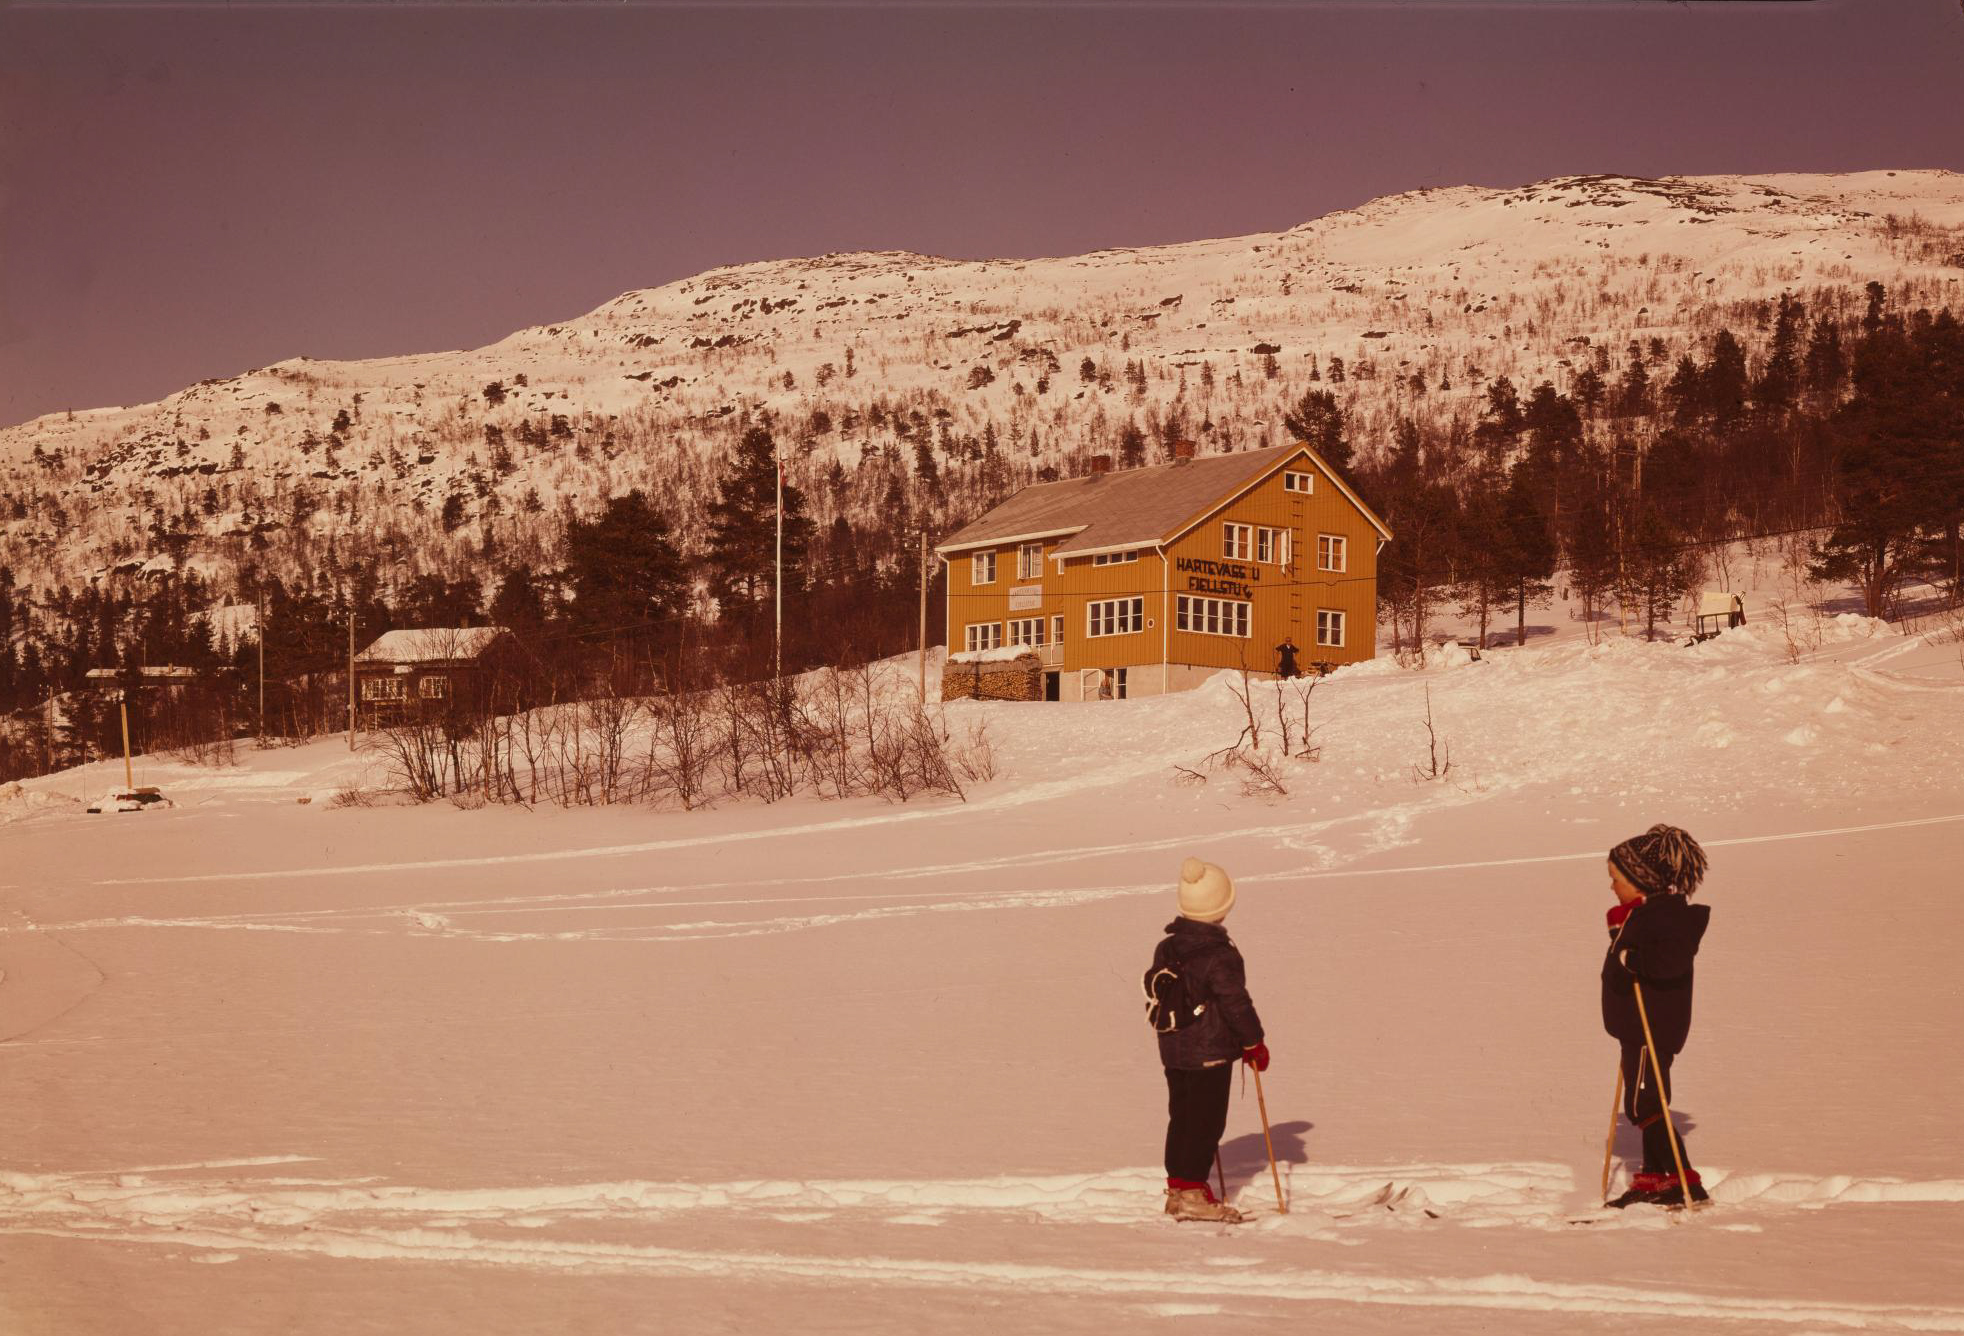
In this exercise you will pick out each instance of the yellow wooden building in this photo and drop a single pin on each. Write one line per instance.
(1149, 580)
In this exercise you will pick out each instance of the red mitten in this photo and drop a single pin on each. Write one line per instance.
(1256, 1056)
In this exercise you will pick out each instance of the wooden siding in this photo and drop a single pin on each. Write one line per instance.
(1285, 600)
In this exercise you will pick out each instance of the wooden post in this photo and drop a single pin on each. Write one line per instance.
(129, 775)
(1609, 1147)
(777, 641)
(1663, 1099)
(923, 642)
(351, 681)
(259, 632)
(1262, 1103)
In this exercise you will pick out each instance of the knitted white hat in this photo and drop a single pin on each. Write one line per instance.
(1206, 893)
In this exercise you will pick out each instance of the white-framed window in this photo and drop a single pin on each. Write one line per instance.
(982, 568)
(381, 688)
(433, 686)
(983, 635)
(1237, 541)
(1332, 552)
(1113, 558)
(1329, 627)
(1057, 629)
(1213, 616)
(1115, 683)
(1026, 631)
(1299, 482)
(1114, 616)
(1029, 561)
(1272, 546)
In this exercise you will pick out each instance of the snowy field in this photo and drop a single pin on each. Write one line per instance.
(277, 1066)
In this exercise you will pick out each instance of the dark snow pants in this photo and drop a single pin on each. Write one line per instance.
(1643, 1106)
(1196, 1115)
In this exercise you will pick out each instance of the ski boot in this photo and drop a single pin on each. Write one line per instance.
(1197, 1203)
(1653, 1189)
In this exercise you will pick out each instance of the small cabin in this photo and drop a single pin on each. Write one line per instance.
(1717, 611)
(424, 671)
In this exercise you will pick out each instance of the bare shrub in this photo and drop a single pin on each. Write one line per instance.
(974, 755)
(1438, 762)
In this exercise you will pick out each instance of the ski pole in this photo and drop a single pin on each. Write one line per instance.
(1663, 1100)
(1609, 1146)
(1280, 1205)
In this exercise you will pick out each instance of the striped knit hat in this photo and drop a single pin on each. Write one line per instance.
(1662, 861)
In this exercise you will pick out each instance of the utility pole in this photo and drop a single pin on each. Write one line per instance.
(924, 616)
(351, 680)
(777, 641)
(259, 634)
(129, 775)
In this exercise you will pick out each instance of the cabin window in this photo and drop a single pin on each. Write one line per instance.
(1272, 546)
(1029, 561)
(1237, 541)
(1026, 631)
(1332, 552)
(1113, 558)
(381, 688)
(433, 686)
(982, 568)
(1114, 616)
(1213, 616)
(1329, 627)
(1299, 482)
(984, 635)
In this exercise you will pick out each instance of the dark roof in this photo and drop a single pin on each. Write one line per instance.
(1135, 507)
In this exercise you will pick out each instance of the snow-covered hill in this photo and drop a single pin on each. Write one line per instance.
(1422, 298)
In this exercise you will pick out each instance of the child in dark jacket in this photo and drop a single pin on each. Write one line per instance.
(1199, 1055)
(1654, 932)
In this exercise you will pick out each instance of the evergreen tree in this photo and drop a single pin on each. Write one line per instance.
(1527, 547)
(519, 607)
(1633, 390)
(1779, 380)
(1901, 474)
(1318, 421)
(1659, 568)
(743, 527)
(1723, 381)
(624, 570)
(1592, 551)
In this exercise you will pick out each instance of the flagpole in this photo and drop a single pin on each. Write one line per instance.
(777, 644)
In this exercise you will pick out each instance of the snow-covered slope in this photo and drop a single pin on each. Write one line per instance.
(851, 1066)
(861, 357)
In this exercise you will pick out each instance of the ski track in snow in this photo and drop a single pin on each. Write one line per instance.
(447, 918)
(220, 1219)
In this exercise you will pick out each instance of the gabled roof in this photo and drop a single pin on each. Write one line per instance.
(431, 644)
(1136, 507)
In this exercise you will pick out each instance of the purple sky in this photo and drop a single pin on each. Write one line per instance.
(189, 192)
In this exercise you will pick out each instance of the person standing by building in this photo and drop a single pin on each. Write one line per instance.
(1197, 1000)
(1285, 658)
